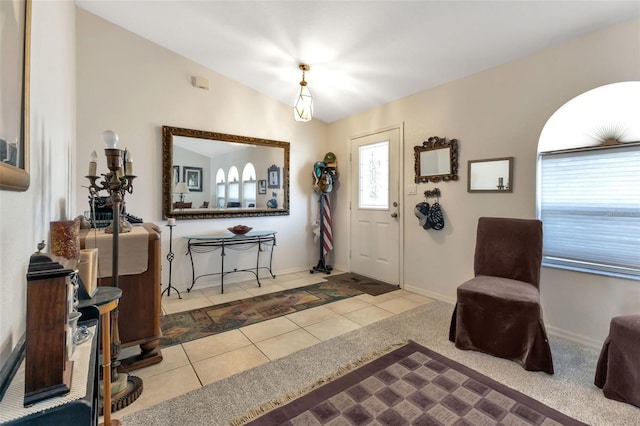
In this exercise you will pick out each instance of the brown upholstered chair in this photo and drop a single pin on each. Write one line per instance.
(498, 312)
(618, 370)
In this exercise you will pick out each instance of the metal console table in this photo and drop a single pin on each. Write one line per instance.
(207, 243)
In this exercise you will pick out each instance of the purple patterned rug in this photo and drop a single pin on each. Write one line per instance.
(413, 385)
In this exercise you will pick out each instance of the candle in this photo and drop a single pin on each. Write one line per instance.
(93, 164)
(128, 165)
(171, 221)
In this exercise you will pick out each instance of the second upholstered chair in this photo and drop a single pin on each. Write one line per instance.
(618, 370)
(498, 311)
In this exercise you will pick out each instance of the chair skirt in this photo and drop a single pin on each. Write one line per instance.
(618, 370)
(503, 318)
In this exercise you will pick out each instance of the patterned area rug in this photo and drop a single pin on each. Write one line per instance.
(197, 323)
(411, 385)
(365, 284)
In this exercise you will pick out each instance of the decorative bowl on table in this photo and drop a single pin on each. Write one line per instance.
(240, 229)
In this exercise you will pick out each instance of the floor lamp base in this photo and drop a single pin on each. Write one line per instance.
(124, 398)
(321, 267)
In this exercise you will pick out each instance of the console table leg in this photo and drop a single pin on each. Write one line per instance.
(193, 270)
(222, 254)
(273, 246)
(258, 263)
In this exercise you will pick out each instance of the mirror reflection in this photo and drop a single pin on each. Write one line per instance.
(436, 160)
(490, 175)
(209, 175)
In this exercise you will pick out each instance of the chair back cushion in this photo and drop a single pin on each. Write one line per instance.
(509, 248)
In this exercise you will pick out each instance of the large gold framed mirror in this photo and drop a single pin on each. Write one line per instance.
(436, 160)
(208, 175)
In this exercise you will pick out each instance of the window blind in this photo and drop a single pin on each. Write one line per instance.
(220, 193)
(234, 191)
(249, 192)
(589, 204)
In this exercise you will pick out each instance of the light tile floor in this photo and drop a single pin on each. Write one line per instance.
(200, 362)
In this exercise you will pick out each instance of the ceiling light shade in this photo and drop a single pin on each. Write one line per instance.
(303, 106)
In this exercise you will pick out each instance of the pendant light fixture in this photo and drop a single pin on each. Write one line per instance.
(303, 106)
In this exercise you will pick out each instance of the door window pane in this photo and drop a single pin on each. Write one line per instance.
(373, 179)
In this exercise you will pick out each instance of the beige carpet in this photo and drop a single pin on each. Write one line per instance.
(570, 390)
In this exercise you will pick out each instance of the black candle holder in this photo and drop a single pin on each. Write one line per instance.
(170, 257)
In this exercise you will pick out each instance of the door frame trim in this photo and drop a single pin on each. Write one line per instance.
(401, 165)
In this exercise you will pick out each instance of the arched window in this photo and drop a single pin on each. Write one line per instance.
(220, 188)
(589, 183)
(233, 198)
(249, 185)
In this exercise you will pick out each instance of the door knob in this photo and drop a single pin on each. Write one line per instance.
(394, 215)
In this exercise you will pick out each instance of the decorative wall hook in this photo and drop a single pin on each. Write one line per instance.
(435, 192)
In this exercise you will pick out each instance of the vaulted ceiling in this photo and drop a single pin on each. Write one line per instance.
(362, 53)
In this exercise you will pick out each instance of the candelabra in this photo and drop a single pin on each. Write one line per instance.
(118, 182)
(171, 222)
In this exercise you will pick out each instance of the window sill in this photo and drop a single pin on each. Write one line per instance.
(591, 271)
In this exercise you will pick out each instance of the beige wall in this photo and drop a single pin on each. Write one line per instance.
(498, 113)
(133, 87)
(25, 216)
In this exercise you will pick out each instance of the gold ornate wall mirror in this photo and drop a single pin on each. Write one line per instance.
(490, 175)
(14, 102)
(436, 160)
(208, 175)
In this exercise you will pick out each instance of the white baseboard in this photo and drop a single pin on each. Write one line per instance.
(341, 268)
(551, 330)
(573, 337)
(430, 294)
(233, 278)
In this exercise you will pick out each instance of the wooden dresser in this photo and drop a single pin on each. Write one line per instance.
(140, 305)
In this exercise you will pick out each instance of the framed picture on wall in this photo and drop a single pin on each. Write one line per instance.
(14, 100)
(273, 173)
(262, 186)
(176, 175)
(193, 177)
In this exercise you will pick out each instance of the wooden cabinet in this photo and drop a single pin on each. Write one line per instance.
(140, 306)
(49, 301)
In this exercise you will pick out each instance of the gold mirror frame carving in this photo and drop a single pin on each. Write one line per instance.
(16, 177)
(169, 132)
(434, 143)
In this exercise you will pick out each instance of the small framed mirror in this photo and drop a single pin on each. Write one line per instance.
(436, 160)
(490, 175)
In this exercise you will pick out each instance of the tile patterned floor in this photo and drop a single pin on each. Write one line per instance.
(200, 362)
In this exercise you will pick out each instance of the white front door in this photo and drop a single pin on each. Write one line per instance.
(375, 210)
